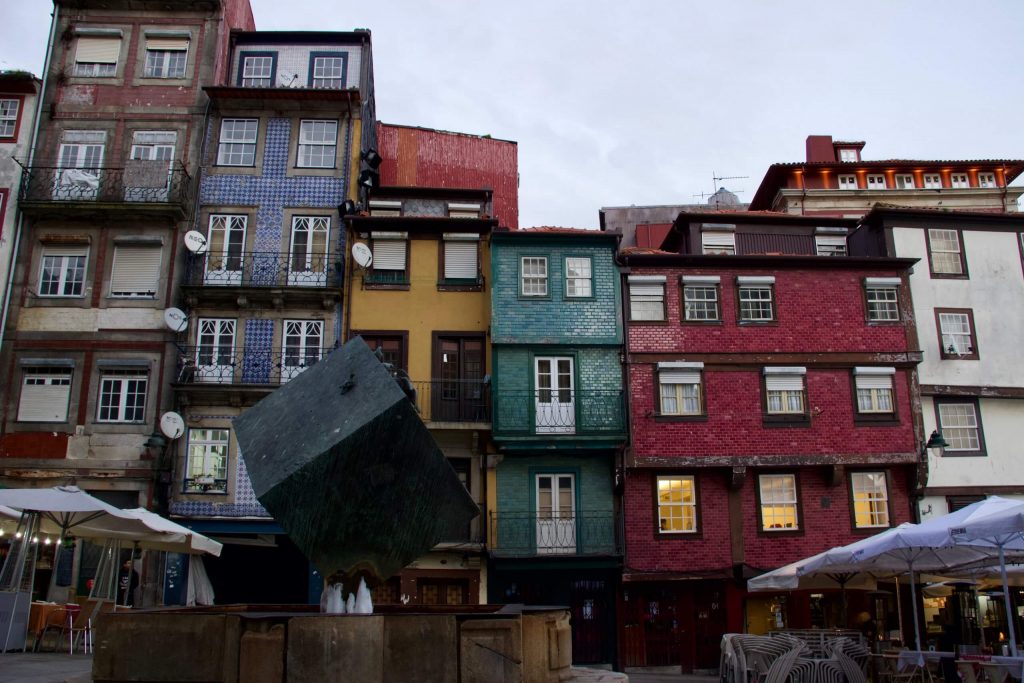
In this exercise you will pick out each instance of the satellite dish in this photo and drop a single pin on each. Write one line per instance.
(195, 242)
(175, 319)
(362, 254)
(172, 425)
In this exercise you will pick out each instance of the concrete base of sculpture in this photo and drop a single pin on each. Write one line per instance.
(278, 644)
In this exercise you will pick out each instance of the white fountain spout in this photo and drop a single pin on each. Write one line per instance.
(364, 602)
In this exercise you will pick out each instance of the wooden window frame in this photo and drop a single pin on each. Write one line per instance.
(761, 530)
(659, 416)
(243, 55)
(867, 286)
(876, 419)
(963, 274)
(402, 336)
(521, 280)
(458, 285)
(664, 302)
(717, 286)
(698, 531)
(785, 419)
(943, 353)
(773, 300)
(868, 530)
(962, 400)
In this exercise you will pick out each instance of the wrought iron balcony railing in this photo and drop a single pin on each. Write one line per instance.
(138, 182)
(442, 400)
(205, 485)
(531, 534)
(559, 412)
(223, 364)
(229, 268)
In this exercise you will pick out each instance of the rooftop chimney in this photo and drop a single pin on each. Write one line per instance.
(820, 149)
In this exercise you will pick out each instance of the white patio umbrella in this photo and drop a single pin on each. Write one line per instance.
(172, 537)
(787, 578)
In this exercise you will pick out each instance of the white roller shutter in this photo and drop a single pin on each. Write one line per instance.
(98, 50)
(784, 382)
(136, 271)
(167, 43)
(44, 398)
(679, 377)
(460, 260)
(389, 254)
(646, 290)
(873, 378)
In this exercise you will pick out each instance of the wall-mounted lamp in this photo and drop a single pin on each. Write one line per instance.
(372, 159)
(346, 208)
(934, 441)
(369, 179)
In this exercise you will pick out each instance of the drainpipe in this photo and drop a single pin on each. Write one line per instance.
(31, 155)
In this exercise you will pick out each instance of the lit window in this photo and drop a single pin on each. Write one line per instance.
(756, 299)
(237, 142)
(136, 271)
(207, 470)
(677, 505)
(714, 242)
(986, 180)
(870, 500)
(956, 332)
(905, 182)
(389, 258)
(830, 245)
(882, 298)
(959, 425)
(646, 297)
(700, 298)
(847, 182)
(876, 182)
(62, 271)
(166, 57)
(96, 57)
(874, 390)
(123, 396)
(959, 180)
(8, 117)
(932, 181)
(329, 72)
(44, 395)
(847, 155)
(785, 391)
(578, 277)
(680, 388)
(318, 144)
(778, 502)
(944, 251)
(533, 276)
(257, 71)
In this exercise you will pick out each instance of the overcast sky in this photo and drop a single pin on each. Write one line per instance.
(616, 103)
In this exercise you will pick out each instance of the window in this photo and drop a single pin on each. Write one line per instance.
(830, 245)
(882, 297)
(318, 144)
(755, 298)
(303, 341)
(960, 427)
(207, 461)
(870, 500)
(122, 396)
(97, 57)
(874, 389)
(700, 298)
(713, 242)
(328, 71)
(391, 346)
(847, 182)
(307, 264)
(679, 388)
(932, 181)
(905, 181)
(944, 253)
(785, 392)
(389, 257)
(215, 350)
(876, 182)
(80, 159)
(959, 180)
(646, 297)
(225, 249)
(8, 117)
(461, 262)
(166, 57)
(956, 333)
(986, 180)
(62, 271)
(380, 207)
(677, 504)
(533, 276)
(578, 277)
(237, 142)
(778, 502)
(257, 71)
(44, 395)
(463, 210)
(848, 155)
(136, 271)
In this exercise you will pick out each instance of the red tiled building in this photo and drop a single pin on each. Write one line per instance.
(771, 375)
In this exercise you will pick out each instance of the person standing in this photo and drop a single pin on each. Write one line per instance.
(127, 582)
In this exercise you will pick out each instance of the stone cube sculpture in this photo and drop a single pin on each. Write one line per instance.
(341, 459)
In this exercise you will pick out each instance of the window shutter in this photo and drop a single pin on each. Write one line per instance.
(135, 271)
(873, 378)
(167, 43)
(389, 255)
(460, 260)
(61, 250)
(679, 377)
(718, 239)
(646, 290)
(44, 403)
(784, 382)
(98, 50)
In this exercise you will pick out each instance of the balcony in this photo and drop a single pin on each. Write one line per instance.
(454, 402)
(532, 534)
(138, 187)
(261, 278)
(559, 414)
(226, 374)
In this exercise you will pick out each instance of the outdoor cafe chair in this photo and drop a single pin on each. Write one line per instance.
(55, 622)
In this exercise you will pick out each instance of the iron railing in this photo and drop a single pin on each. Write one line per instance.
(217, 364)
(138, 182)
(453, 400)
(205, 485)
(532, 534)
(261, 269)
(559, 413)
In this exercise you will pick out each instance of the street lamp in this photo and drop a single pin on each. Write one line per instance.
(936, 442)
